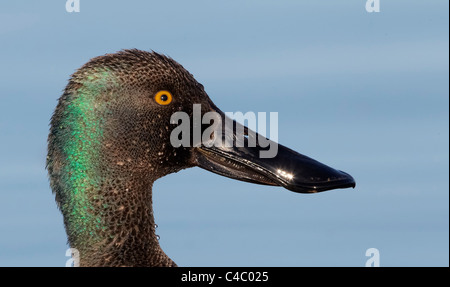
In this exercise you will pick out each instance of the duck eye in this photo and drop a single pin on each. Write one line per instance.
(163, 98)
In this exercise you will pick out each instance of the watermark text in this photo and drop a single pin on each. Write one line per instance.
(73, 6)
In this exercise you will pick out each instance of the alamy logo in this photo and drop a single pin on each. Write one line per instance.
(373, 6)
(225, 131)
(74, 255)
(374, 257)
(73, 6)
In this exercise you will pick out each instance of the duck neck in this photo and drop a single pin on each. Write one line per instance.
(112, 223)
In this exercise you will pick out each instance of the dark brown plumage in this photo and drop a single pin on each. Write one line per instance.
(110, 140)
(130, 150)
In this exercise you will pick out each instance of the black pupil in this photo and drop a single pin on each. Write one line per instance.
(164, 98)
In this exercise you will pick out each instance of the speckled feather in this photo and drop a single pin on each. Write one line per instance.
(108, 143)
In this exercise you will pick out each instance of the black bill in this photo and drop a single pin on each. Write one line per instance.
(287, 168)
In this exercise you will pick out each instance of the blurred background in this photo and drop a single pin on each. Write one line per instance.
(367, 93)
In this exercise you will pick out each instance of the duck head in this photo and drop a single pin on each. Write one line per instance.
(112, 136)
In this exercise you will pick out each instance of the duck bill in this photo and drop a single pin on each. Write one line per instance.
(253, 158)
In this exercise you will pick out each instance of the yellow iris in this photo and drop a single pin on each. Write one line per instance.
(163, 98)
